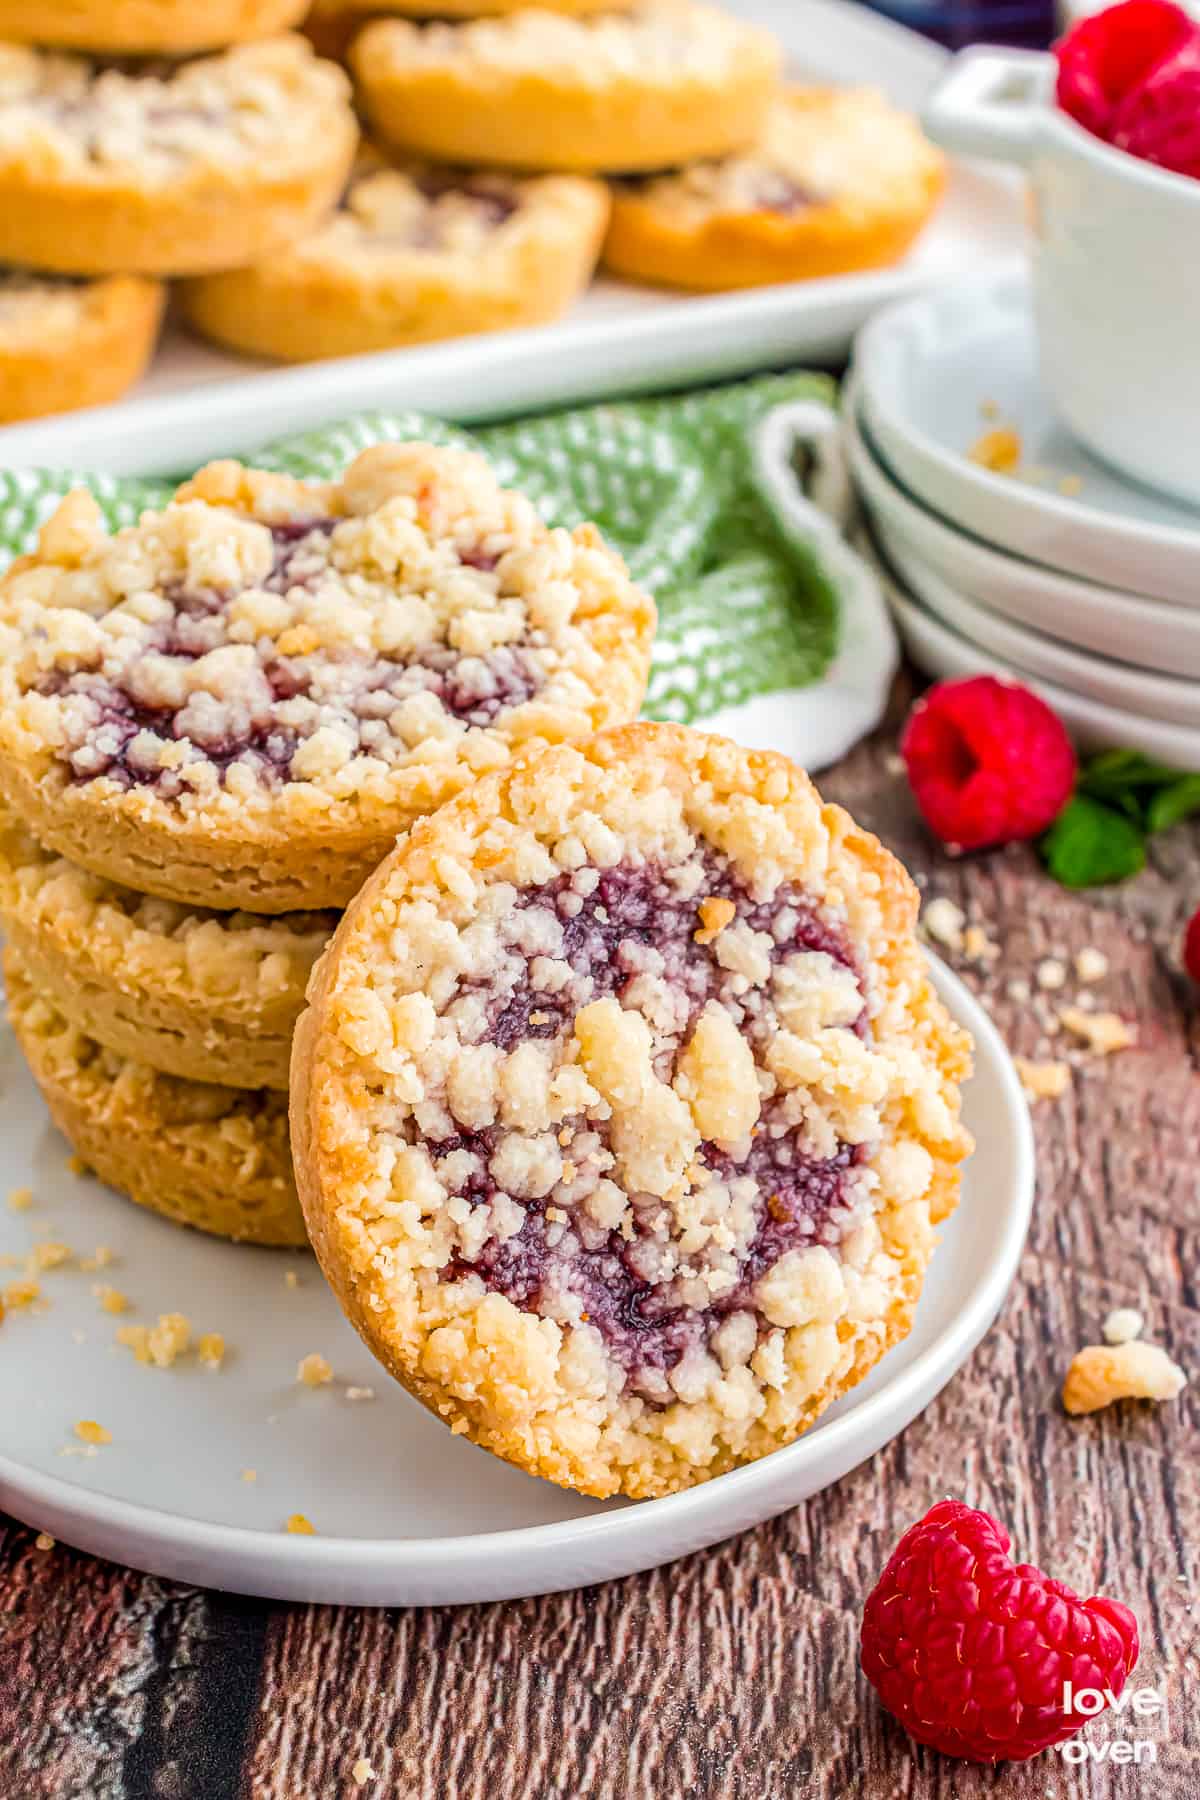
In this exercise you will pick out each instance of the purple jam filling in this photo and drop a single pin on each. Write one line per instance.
(799, 1197)
(778, 193)
(493, 198)
(474, 690)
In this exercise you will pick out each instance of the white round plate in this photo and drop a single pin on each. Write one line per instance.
(941, 652)
(1125, 626)
(405, 1513)
(934, 372)
(1031, 653)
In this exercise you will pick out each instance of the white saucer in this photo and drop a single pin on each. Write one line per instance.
(941, 652)
(1031, 653)
(1149, 633)
(406, 1513)
(929, 370)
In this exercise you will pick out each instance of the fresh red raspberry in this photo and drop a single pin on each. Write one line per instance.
(987, 761)
(1191, 946)
(971, 1653)
(1159, 120)
(1107, 56)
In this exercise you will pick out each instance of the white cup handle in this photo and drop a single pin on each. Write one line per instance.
(988, 102)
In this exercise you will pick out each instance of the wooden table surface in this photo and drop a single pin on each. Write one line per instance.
(733, 1673)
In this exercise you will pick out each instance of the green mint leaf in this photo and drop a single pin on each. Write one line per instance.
(1089, 845)
(1178, 801)
(1115, 771)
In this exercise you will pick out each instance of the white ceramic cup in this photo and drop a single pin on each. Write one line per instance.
(1116, 266)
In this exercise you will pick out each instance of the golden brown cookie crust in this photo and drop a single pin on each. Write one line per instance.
(175, 192)
(389, 1061)
(857, 181)
(660, 85)
(207, 996)
(214, 1158)
(64, 346)
(356, 285)
(145, 27)
(414, 626)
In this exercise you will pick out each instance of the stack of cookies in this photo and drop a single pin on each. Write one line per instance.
(525, 142)
(142, 140)
(213, 725)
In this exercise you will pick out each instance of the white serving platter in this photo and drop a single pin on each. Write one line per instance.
(931, 373)
(1128, 627)
(198, 402)
(405, 1513)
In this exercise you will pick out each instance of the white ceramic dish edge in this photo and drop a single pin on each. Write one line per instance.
(1125, 626)
(1049, 527)
(942, 653)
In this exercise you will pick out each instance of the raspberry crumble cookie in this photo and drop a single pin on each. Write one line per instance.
(840, 180)
(65, 343)
(213, 1157)
(145, 27)
(208, 996)
(666, 82)
(413, 255)
(623, 1110)
(168, 169)
(241, 700)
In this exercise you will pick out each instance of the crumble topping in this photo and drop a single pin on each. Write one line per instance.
(34, 308)
(422, 208)
(658, 41)
(556, 1200)
(89, 1432)
(264, 639)
(819, 145)
(238, 960)
(240, 111)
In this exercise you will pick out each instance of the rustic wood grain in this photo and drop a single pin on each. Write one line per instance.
(733, 1674)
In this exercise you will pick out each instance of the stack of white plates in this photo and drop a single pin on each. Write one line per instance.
(1064, 574)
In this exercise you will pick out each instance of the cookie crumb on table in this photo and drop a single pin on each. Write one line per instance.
(360, 1393)
(943, 921)
(313, 1370)
(19, 1294)
(20, 1199)
(1135, 1370)
(1043, 1080)
(298, 1526)
(101, 1258)
(249, 1474)
(290, 1278)
(111, 1299)
(49, 1255)
(210, 1348)
(1122, 1325)
(89, 1432)
(1103, 1032)
(1051, 973)
(1090, 964)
